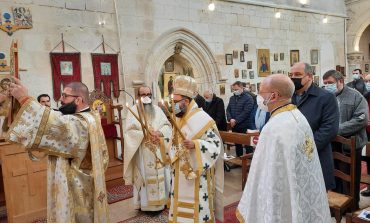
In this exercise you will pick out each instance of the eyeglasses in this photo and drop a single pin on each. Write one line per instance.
(179, 100)
(65, 95)
(144, 95)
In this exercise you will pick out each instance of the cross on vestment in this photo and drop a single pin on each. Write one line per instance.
(205, 197)
(203, 149)
(214, 156)
(211, 135)
(206, 218)
(205, 166)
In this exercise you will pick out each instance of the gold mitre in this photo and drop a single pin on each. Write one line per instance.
(184, 85)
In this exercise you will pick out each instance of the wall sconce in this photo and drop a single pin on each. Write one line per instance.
(211, 6)
(325, 20)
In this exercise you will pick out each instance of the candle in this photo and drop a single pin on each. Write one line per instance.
(133, 113)
(172, 120)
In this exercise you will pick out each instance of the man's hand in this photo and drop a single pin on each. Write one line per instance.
(232, 123)
(189, 144)
(17, 90)
(155, 136)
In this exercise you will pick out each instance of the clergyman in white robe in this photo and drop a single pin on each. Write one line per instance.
(285, 182)
(151, 184)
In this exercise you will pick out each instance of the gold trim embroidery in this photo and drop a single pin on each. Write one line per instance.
(186, 205)
(185, 215)
(41, 129)
(239, 216)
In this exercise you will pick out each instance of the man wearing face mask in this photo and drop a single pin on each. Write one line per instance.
(146, 163)
(353, 111)
(239, 112)
(366, 193)
(197, 198)
(358, 81)
(285, 160)
(216, 109)
(321, 111)
(76, 150)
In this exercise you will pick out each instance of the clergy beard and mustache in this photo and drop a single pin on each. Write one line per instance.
(149, 111)
(68, 108)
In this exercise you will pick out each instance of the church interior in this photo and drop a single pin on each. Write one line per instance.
(117, 46)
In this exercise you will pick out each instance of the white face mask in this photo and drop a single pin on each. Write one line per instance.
(368, 86)
(262, 103)
(146, 100)
(356, 77)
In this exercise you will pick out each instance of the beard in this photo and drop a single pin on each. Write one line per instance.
(149, 111)
(68, 108)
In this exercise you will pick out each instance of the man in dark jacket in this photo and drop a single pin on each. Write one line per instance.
(358, 82)
(353, 111)
(321, 111)
(216, 109)
(239, 112)
(199, 100)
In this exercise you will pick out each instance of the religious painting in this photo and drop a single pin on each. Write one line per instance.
(314, 57)
(236, 73)
(316, 80)
(251, 74)
(99, 106)
(249, 65)
(229, 59)
(169, 65)
(168, 79)
(222, 89)
(313, 70)
(294, 57)
(263, 62)
(105, 69)
(5, 81)
(253, 88)
(281, 56)
(242, 56)
(244, 74)
(366, 67)
(276, 57)
(66, 68)
(235, 54)
(22, 17)
(246, 47)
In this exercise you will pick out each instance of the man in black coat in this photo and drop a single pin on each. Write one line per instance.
(199, 100)
(239, 113)
(216, 109)
(358, 82)
(321, 111)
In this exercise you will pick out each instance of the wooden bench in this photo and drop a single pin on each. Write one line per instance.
(232, 138)
(340, 203)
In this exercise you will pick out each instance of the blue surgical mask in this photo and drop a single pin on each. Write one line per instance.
(356, 77)
(209, 100)
(237, 93)
(332, 88)
(368, 86)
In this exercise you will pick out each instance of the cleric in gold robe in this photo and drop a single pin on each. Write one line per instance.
(74, 143)
(146, 163)
(196, 159)
(285, 182)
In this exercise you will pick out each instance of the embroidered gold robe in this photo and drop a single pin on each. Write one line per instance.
(77, 160)
(151, 184)
(193, 201)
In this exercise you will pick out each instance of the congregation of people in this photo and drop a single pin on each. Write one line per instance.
(175, 159)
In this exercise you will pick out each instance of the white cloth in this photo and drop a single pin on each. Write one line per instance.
(151, 184)
(285, 182)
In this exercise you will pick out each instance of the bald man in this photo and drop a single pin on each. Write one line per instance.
(76, 150)
(285, 182)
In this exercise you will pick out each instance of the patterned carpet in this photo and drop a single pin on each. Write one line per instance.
(162, 217)
(119, 193)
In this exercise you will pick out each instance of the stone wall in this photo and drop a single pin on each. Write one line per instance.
(77, 20)
(228, 28)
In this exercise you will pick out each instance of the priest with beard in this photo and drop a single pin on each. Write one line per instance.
(196, 159)
(74, 143)
(146, 162)
(285, 181)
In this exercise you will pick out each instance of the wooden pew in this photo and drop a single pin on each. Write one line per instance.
(232, 138)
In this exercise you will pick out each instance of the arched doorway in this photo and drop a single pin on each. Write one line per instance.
(180, 51)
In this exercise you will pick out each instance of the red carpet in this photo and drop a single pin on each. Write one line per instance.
(119, 193)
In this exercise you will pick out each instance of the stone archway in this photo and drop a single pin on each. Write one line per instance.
(189, 46)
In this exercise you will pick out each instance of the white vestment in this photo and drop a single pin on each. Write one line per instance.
(285, 182)
(151, 184)
(199, 199)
